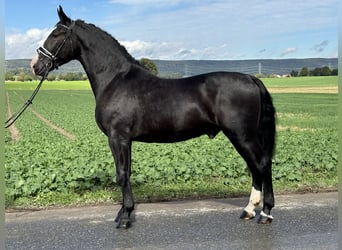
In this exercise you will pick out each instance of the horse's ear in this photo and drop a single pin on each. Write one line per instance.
(64, 19)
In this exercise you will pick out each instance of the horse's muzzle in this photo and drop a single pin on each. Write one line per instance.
(39, 67)
(33, 64)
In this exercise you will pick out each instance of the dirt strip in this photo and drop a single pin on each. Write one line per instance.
(55, 127)
(319, 90)
(12, 129)
(60, 130)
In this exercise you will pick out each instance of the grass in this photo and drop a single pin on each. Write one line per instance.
(307, 111)
(157, 193)
(49, 85)
(310, 81)
(302, 118)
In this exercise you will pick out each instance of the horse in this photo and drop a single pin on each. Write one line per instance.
(133, 104)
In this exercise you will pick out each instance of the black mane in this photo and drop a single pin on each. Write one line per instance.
(108, 38)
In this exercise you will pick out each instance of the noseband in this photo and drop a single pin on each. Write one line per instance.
(53, 56)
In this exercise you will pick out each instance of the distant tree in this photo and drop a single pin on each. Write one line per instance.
(334, 72)
(304, 71)
(61, 76)
(325, 71)
(79, 76)
(70, 76)
(150, 65)
(315, 72)
(21, 77)
(51, 77)
(28, 78)
(9, 76)
(294, 73)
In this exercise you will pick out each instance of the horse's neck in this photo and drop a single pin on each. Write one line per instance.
(101, 60)
(101, 74)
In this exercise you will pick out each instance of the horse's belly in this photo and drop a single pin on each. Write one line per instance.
(169, 136)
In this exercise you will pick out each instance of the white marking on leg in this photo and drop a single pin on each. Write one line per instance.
(266, 215)
(254, 201)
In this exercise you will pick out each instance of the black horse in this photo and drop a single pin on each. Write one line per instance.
(134, 105)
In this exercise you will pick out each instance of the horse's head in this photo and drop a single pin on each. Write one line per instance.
(58, 48)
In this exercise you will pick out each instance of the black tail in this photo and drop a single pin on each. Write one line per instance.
(267, 123)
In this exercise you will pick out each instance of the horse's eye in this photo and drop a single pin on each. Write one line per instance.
(54, 34)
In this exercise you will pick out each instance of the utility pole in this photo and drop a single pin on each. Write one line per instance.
(186, 70)
(259, 66)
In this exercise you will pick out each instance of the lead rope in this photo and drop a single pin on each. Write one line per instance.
(16, 115)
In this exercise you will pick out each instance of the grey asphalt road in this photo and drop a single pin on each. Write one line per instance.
(308, 221)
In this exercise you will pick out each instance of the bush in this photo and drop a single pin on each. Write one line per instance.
(9, 76)
(51, 77)
(148, 64)
(71, 76)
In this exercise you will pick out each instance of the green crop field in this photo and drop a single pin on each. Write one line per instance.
(44, 167)
(326, 81)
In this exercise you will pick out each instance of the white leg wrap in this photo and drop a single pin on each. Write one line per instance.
(254, 201)
(265, 215)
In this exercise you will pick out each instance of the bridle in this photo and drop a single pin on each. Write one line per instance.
(51, 65)
(53, 56)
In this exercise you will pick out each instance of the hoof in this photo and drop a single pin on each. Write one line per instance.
(246, 215)
(120, 214)
(265, 219)
(123, 219)
(124, 223)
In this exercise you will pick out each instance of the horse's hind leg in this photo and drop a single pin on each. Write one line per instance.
(260, 183)
(121, 149)
(260, 168)
(265, 215)
(254, 200)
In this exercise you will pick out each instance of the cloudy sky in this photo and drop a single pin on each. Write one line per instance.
(187, 29)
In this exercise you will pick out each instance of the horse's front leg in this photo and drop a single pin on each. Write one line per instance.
(121, 149)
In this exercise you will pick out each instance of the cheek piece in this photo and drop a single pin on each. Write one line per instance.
(53, 56)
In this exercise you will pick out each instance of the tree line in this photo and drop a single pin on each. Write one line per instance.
(323, 71)
(25, 74)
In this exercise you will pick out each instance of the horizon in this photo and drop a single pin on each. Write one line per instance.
(195, 67)
(252, 59)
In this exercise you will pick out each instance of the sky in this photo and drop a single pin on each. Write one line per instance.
(186, 29)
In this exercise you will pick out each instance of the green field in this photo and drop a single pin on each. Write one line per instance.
(49, 85)
(312, 81)
(44, 167)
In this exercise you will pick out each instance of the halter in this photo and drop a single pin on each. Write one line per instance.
(49, 66)
(53, 57)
